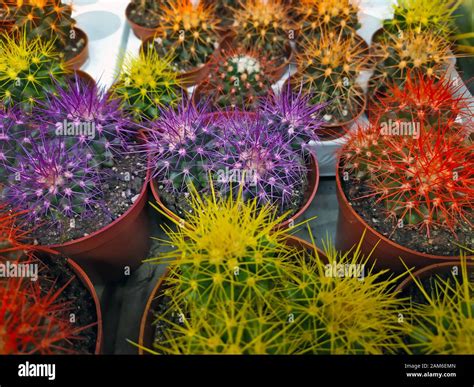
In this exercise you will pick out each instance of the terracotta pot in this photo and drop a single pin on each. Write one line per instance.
(313, 180)
(77, 61)
(147, 330)
(428, 271)
(82, 276)
(140, 32)
(85, 77)
(386, 253)
(125, 242)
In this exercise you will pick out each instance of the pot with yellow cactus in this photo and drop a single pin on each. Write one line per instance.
(327, 69)
(51, 20)
(190, 34)
(236, 287)
(439, 319)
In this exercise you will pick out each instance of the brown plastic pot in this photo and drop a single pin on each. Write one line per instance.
(140, 32)
(313, 182)
(85, 77)
(82, 276)
(125, 242)
(386, 253)
(146, 335)
(428, 271)
(76, 62)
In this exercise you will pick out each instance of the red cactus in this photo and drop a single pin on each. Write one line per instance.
(424, 99)
(34, 319)
(422, 181)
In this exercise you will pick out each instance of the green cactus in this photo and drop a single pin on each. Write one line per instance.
(328, 69)
(189, 32)
(147, 83)
(28, 70)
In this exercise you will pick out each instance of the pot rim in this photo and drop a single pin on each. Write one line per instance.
(135, 25)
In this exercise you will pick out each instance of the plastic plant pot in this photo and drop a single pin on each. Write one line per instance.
(76, 62)
(140, 32)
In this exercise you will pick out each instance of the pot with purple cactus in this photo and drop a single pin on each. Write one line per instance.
(266, 152)
(75, 172)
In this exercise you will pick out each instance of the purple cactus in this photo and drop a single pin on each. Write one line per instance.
(83, 114)
(178, 146)
(53, 182)
(293, 115)
(262, 160)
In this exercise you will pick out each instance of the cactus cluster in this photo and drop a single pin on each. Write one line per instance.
(423, 179)
(236, 287)
(28, 70)
(442, 323)
(237, 79)
(145, 84)
(328, 69)
(187, 32)
(408, 52)
(49, 20)
(423, 15)
(265, 153)
(334, 15)
(264, 26)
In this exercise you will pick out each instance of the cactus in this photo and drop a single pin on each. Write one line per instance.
(253, 156)
(442, 323)
(327, 70)
(35, 316)
(145, 84)
(424, 99)
(292, 115)
(189, 32)
(423, 15)
(49, 20)
(28, 70)
(423, 180)
(263, 26)
(84, 116)
(319, 290)
(226, 263)
(425, 53)
(178, 145)
(14, 240)
(237, 79)
(53, 182)
(333, 15)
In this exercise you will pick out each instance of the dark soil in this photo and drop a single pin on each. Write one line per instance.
(119, 196)
(179, 204)
(58, 273)
(144, 18)
(441, 242)
(74, 47)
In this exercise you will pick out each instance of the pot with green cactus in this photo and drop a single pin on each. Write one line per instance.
(236, 287)
(264, 26)
(327, 69)
(265, 152)
(190, 34)
(53, 309)
(410, 187)
(147, 83)
(29, 69)
(144, 17)
(70, 167)
(51, 20)
(441, 308)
